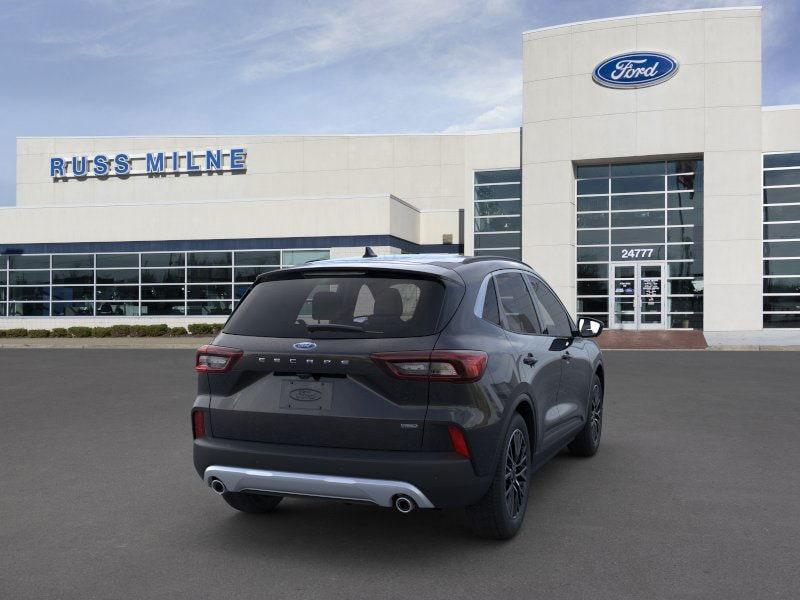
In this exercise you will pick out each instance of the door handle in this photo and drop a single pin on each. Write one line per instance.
(566, 356)
(529, 360)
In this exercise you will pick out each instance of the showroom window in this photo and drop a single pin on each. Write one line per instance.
(781, 300)
(130, 284)
(497, 223)
(640, 243)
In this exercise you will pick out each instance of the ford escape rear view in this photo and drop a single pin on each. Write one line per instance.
(427, 381)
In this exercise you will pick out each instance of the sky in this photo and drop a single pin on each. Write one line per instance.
(171, 67)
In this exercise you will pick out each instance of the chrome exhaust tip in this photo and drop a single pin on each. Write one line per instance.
(404, 504)
(218, 487)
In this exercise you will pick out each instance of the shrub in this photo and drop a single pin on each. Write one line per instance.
(59, 332)
(217, 327)
(177, 331)
(138, 330)
(120, 330)
(101, 332)
(201, 328)
(80, 332)
(157, 330)
(16, 332)
(2, 333)
(38, 333)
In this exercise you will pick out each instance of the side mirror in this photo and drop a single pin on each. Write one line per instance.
(589, 328)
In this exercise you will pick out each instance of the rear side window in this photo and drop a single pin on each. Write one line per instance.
(555, 320)
(491, 311)
(340, 306)
(516, 305)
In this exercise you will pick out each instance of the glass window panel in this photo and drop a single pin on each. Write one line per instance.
(73, 261)
(118, 276)
(592, 271)
(592, 304)
(589, 254)
(782, 285)
(163, 259)
(782, 249)
(775, 321)
(680, 234)
(782, 267)
(553, 318)
(117, 292)
(647, 168)
(637, 184)
(73, 277)
(680, 182)
(637, 201)
(498, 224)
(163, 276)
(209, 308)
(28, 261)
(782, 303)
(298, 257)
(3, 262)
(782, 195)
(694, 304)
(29, 277)
(2, 294)
(686, 321)
(789, 159)
(117, 309)
(679, 252)
(512, 253)
(681, 269)
(239, 290)
(782, 231)
(505, 207)
(593, 288)
(28, 309)
(637, 219)
(684, 166)
(788, 177)
(258, 257)
(598, 203)
(684, 199)
(162, 292)
(209, 259)
(685, 286)
(637, 236)
(2, 277)
(3, 309)
(498, 240)
(592, 236)
(162, 308)
(586, 171)
(209, 275)
(494, 192)
(782, 213)
(73, 309)
(29, 293)
(491, 309)
(71, 292)
(249, 274)
(498, 176)
(209, 292)
(681, 217)
(593, 220)
(592, 186)
(117, 261)
(516, 304)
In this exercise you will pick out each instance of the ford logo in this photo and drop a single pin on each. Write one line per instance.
(304, 346)
(635, 70)
(305, 395)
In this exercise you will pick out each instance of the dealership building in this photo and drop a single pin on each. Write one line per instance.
(646, 183)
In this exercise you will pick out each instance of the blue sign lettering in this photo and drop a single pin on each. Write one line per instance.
(213, 160)
(154, 163)
(56, 167)
(79, 166)
(122, 166)
(635, 70)
(100, 163)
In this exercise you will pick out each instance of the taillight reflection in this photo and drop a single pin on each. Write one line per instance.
(216, 359)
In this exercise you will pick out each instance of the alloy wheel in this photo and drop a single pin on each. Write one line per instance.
(516, 474)
(596, 414)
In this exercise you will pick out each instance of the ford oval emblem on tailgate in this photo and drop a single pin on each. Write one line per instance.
(305, 395)
(304, 346)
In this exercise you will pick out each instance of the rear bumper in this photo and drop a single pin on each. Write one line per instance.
(442, 479)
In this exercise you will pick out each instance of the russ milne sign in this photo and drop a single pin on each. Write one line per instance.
(635, 70)
(122, 164)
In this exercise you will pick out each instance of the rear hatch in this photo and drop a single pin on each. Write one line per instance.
(305, 376)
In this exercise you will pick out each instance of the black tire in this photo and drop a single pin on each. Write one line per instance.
(500, 513)
(252, 503)
(587, 441)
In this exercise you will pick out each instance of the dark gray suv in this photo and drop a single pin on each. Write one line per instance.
(412, 381)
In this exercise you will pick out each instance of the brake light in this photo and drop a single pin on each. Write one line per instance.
(198, 424)
(457, 366)
(458, 440)
(216, 359)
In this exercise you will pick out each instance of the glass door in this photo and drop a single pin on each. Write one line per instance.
(637, 295)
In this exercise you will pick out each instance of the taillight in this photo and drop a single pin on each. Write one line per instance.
(198, 424)
(458, 440)
(458, 366)
(216, 359)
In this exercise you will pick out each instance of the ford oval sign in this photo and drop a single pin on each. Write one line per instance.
(635, 70)
(304, 346)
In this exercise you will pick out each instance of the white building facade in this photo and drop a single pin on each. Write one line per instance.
(647, 183)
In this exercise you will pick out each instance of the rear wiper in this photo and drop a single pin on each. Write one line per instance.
(337, 327)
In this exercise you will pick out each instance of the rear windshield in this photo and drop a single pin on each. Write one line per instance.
(340, 306)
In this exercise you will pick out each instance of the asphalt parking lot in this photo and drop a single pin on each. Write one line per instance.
(695, 493)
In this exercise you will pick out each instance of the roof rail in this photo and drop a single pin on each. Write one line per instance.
(483, 257)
